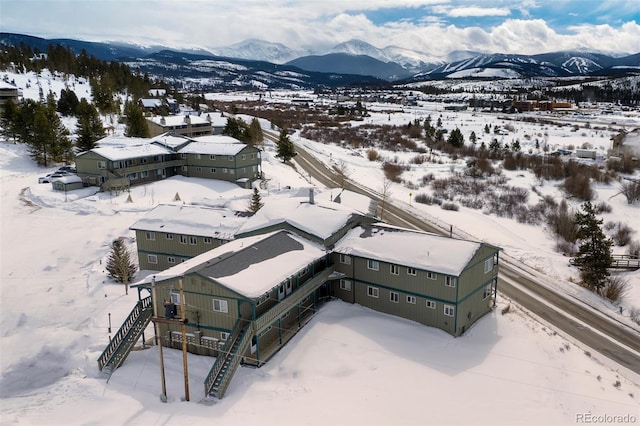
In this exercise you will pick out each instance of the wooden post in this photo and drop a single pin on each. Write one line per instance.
(184, 341)
(156, 328)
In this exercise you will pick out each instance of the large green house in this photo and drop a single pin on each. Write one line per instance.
(243, 300)
(120, 162)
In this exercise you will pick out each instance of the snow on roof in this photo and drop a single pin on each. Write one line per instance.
(212, 148)
(414, 249)
(224, 139)
(250, 266)
(69, 179)
(115, 153)
(151, 103)
(191, 220)
(121, 141)
(171, 140)
(322, 219)
(6, 85)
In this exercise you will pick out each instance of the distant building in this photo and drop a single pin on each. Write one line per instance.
(9, 92)
(119, 162)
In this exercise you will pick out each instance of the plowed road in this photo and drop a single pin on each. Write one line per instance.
(612, 339)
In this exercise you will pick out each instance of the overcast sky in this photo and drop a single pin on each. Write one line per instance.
(434, 27)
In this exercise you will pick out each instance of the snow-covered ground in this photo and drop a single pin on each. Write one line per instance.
(349, 365)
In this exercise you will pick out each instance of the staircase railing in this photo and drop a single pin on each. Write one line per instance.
(223, 354)
(302, 292)
(141, 313)
(233, 363)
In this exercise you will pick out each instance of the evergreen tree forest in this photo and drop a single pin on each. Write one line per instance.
(38, 124)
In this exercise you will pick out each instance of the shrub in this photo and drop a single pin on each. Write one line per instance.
(621, 233)
(427, 199)
(615, 288)
(450, 206)
(372, 154)
(563, 223)
(392, 171)
(578, 186)
(634, 314)
(634, 249)
(603, 208)
(565, 247)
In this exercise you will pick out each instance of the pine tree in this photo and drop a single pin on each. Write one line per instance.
(594, 254)
(8, 120)
(136, 123)
(473, 138)
(456, 138)
(255, 132)
(255, 203)
(119, 265)
(41, 138)
(285, 149)
(90, 128)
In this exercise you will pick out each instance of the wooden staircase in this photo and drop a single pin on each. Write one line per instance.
(228, 360)
(126, 337)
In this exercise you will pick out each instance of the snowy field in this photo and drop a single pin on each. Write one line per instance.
(349, 365)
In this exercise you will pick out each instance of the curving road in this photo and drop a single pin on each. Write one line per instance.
(615, 340)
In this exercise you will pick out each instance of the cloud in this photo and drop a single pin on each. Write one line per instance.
(460, 12)
(314, 26)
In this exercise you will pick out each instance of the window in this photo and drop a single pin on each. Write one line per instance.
(394, 297)
(374, 265)
(345, 285)
(169, 236)
(193, 241)
(224, 170)
(253, 156)
(175, 297)
(143, 161)
(432, 275)
(411, 271)
(185, 168)
(449, 310)
(220, 306)
(183, 156)
(198, 169)
(244, 156)
(395, 269)
(133, 176)
(223, 335)
(487, 292)
(488, 265)
(373, 291)
(198, 156)
(431, 304)
(207, 240)
(345, 259)
(144, 174)
(411, 299)
(213, 170)
(450, 281)
(184, 239)
(151, 235)
(231, 158)
(171, 260)
(212, 157)
(102, 164)
(152, 258)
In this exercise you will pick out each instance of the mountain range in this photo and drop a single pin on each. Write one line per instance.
(273, 65)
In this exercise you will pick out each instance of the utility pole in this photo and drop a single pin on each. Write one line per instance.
(184, 341)
(156, 328)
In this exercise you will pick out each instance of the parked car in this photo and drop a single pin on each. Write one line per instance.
(53, 176)
(67, 169)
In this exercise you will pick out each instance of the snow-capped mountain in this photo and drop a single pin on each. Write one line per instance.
(258, 50)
